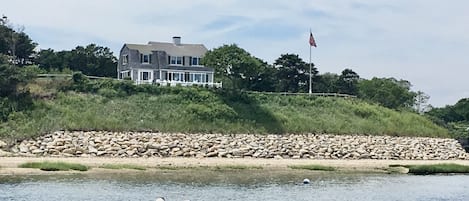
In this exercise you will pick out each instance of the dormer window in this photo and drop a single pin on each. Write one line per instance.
(196, 61)
(174, 60)
(125, 59)
(145, 58)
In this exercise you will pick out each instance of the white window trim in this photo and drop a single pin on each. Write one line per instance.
(198, 64)
(150, 75)
(202, 77)
(125, 59)
(175, 57)
(125, 72)
(143, 59)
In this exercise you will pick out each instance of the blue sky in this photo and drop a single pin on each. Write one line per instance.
(423, 41)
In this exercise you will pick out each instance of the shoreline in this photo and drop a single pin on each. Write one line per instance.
(9, 165)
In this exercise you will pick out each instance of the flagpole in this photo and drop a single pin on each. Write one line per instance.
(310, 82)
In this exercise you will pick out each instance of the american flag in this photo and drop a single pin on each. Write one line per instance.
(312, 42)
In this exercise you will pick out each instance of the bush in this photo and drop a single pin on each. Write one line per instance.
(55, 166)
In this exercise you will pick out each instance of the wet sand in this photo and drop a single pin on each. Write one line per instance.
(9, 165)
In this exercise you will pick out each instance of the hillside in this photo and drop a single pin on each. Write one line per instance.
(122, 106)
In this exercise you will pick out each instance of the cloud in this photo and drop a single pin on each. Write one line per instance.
(425, 42)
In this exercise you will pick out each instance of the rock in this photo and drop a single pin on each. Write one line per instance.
(4, 153)
(37, 151)
(278, 157)
(92, 150)
(3, 144)
(23, 148)
(212, 154)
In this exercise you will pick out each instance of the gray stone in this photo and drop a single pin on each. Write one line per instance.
(3, 144)
(23, 148)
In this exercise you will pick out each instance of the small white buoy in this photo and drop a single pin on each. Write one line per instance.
(160, 199)
(306, 181)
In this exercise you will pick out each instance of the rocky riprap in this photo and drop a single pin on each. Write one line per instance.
(314, 146)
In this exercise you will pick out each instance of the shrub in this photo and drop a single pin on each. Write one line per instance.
(54, 166)
(312, 167)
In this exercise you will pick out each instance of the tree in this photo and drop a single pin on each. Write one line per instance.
(326, 83)
(347, 82)
(15, 43)
(292, 73)
(421, 102)
(234, 65)
(387, 92)
(90, 60)
(93, 60)
(48, 60)
(458, 112)
(12, 96)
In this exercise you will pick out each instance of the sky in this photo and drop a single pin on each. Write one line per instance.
(423, 41)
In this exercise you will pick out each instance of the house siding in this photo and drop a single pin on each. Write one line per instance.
(159, 63)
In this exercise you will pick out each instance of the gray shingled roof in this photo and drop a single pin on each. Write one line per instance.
(195, 50)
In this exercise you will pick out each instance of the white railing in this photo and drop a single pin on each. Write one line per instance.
(179, 83)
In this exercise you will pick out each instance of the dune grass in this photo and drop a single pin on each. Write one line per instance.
(55, 166)
(444, 168)
(200, 110)
(312, 167)
(238, 167)
(122, 166)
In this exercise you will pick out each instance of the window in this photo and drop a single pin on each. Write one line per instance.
(145, 75)
(125, 59)
(178, 76)
(175, 60)
(197, 77)
(195, 61)
(145, 58)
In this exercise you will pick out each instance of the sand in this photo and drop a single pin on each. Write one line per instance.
(9, 165)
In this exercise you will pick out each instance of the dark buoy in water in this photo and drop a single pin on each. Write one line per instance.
(306, 181)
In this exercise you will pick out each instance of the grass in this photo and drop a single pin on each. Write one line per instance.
(238, 167)
(122, 166)
(199, 110)
(444, 168)
(54, 166)
(312, 167)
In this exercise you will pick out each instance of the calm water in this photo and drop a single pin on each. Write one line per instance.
(245, 186)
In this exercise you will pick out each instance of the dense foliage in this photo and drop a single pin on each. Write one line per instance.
(15, 44)
(122, 106)
(91, 60)
(454, 117)
(388, 92)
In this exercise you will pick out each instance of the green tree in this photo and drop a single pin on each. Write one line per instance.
(421, 102)
(347, 82)
(93, 60)
(234, 66)
(387, 92)
(48, 59)
(293, 73)
(15, 43)
(326, 83)
(13, 97)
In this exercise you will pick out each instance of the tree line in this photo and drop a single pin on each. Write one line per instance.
(234, 66)
(237, 68)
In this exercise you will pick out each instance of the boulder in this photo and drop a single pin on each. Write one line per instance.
(3, 144)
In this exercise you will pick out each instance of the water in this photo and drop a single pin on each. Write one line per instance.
(245, 186)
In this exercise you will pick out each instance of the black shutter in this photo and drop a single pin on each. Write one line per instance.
(190, 61)
(183, 61)
(169, 59)
(149, 58)
(141, 58)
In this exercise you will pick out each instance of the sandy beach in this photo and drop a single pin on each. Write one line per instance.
(9, 165)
